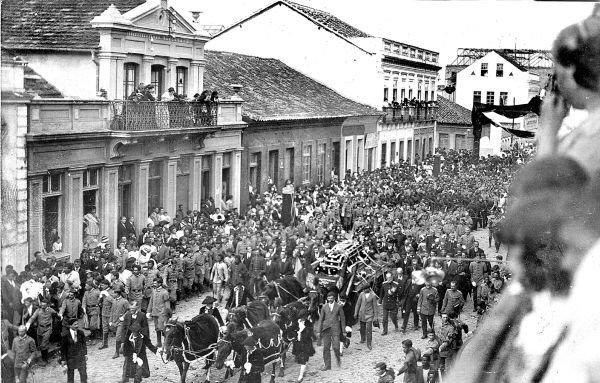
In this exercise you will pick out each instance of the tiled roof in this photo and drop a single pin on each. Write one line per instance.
(34, 83)
(274, 91)
(329, 21)
(55, 24)
(451, 113)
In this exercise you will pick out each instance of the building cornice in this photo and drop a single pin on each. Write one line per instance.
(409, 63)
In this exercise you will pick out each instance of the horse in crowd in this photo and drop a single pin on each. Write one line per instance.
(266, 336)
(248, 316)
(284, 290)
(192, 340)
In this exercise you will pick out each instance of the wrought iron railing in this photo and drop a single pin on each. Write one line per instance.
(161, 115)
(409, 113)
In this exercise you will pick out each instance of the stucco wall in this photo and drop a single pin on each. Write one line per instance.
(516, 85)
(15, 250)
(309, 49)
(74, 74)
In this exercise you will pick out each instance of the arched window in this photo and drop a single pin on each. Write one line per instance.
(130, 78)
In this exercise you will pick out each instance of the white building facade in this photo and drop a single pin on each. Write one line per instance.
(361, 67)
(497, 80)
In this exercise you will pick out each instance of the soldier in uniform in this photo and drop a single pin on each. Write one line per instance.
(158, 309)
(189, 274)
(70, 309)
(120, 306)
(23, 348)
(426, 306)
(170, 279)
(44, 316)
(200, 261)
(134, 287)
(446, 336)
(149, 274)
(90, 304)
(389, 299)
(453, 300)
(105, 309)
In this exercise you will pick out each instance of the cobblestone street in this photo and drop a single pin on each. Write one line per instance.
(357, 362)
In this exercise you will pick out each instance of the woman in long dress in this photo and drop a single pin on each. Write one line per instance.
(92, 224)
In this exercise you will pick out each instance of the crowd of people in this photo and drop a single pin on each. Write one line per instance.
(401, 214)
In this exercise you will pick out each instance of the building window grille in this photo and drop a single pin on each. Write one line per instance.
(499, 70)
(484, 69)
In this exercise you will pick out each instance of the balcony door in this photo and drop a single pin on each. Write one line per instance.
(156, 79)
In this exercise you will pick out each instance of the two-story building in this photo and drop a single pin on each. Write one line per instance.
(105, 155)
(499, 77)
(364, 68)
(297, 126)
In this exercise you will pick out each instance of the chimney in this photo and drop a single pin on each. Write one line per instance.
(163, 4)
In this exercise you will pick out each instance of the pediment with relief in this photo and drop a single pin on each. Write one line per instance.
(167, 20)
(157, 15)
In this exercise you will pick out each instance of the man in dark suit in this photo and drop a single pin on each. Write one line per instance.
(272, 268)
(388, 296)
(122, 230)
(450, 268)
(239, 296)
(74, 352)
(408, 303)
(286, 265)
(131, 226)
(11, 297)
(331, 324)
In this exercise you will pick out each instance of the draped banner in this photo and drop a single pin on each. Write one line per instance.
(483, 114)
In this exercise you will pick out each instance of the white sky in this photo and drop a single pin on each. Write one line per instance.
(442, 26)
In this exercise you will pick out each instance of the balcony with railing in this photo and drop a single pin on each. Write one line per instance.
(53, 116)
(162, 115)
(402, 114)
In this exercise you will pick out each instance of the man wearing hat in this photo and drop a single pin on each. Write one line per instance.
(331, 324)
(385, 375)
(135, 285)
(209, 307)
(74, 352)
